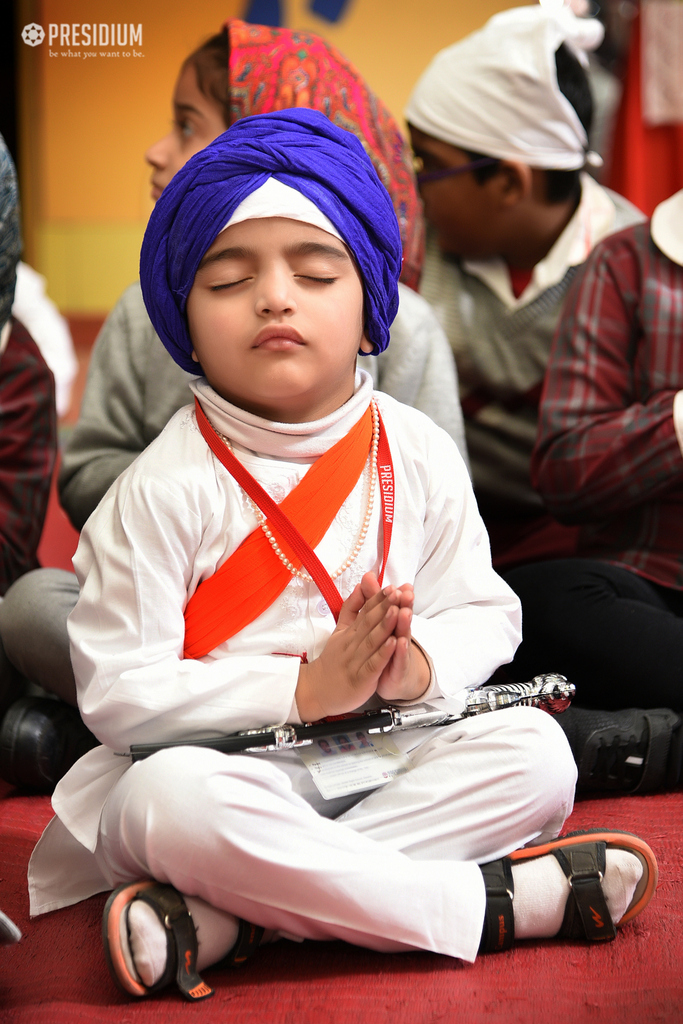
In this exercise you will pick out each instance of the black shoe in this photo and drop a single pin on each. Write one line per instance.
(40, 740)
(631, 751)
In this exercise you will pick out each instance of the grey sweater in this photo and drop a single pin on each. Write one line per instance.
(134, 387)
(502, 356)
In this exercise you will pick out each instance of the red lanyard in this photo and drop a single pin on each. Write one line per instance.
(385, 472)
(282, 522)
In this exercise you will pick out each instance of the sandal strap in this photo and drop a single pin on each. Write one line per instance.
(498, 933)
(181, 961)
(586, 914)
(247, 942)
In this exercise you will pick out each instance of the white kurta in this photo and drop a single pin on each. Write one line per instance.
(169, 522)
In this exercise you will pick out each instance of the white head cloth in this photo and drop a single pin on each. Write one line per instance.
(496, 93)
(666, 227)
(274, 199)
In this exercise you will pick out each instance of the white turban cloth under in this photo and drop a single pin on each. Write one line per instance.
(496, 93)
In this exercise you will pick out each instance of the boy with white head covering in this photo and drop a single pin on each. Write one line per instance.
(500, 122)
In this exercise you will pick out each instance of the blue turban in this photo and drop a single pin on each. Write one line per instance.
(300, 148)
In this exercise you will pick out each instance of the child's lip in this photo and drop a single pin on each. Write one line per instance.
(278, 332)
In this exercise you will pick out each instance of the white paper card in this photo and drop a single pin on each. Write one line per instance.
(352, 762)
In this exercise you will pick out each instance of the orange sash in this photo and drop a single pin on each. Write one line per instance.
(253, 577)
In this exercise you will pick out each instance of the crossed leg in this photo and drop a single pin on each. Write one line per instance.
(396, 871)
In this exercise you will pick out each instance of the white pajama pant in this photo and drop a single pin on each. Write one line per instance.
(250, 835)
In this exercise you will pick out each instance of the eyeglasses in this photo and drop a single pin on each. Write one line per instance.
(423, 176)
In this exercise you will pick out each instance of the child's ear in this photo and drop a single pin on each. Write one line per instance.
(366, 346)
(515, 182)
(195, 357)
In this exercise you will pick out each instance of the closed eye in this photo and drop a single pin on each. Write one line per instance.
(227, 284)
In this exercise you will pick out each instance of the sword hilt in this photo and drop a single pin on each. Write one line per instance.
(551, 692)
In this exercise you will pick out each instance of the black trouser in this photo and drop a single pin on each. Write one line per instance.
(616, 636)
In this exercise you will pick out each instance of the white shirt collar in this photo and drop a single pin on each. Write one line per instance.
(283, 440)
(666, 227)
(593, 220)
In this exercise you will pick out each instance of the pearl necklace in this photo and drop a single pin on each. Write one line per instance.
(263, 521)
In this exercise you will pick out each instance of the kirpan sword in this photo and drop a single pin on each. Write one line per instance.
(551, 692)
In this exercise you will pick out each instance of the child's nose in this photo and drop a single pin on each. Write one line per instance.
(158, 152)
(276, 294)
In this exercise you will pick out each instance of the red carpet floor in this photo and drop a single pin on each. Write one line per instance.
(57, 975)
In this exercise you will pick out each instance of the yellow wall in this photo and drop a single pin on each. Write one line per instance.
(86, 122)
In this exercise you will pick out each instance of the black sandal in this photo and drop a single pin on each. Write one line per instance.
(181, 941)
(581, 856)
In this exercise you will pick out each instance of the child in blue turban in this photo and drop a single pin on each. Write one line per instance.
(331, 170)
(292, 547)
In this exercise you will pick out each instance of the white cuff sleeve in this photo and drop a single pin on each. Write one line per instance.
(294, 718)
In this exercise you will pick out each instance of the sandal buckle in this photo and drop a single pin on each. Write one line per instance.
(582, 876)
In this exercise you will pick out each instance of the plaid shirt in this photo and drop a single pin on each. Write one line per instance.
(607, 456)
(28, 442)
